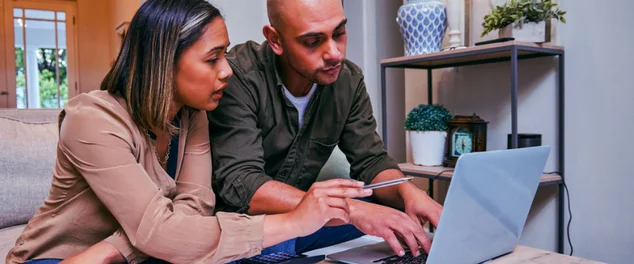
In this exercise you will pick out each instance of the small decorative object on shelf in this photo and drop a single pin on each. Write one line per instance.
(525, 140)
(524, 20)
(427, 129)
(422, 25)
(466, 134)
(455, 16)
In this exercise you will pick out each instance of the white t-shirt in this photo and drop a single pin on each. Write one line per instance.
(300, 102)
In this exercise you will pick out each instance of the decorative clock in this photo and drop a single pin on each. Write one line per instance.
(465, 134)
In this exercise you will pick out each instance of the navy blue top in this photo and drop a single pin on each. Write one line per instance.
(172, 160)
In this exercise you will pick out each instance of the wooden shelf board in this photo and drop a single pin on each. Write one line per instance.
(474, 55)
(445, 174)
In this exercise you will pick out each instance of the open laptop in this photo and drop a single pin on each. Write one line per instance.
(484, 211)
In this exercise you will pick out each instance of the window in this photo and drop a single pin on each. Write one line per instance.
(40, 54)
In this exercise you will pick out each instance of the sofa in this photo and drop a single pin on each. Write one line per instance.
(28, 139)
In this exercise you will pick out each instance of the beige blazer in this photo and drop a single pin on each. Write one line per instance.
(108, 185)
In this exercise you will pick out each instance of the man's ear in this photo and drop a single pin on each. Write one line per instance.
(273, 37)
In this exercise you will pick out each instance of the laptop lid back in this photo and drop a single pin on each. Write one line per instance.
(487, 204)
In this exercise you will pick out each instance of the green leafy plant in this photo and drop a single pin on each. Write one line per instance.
(520, 12)
(427, 118)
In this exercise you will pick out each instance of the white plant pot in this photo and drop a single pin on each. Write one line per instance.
(529, 32)
(428, 147)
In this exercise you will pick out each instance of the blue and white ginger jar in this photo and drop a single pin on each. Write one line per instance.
(422, 25)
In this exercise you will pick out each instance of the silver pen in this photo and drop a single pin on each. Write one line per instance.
(387, 183)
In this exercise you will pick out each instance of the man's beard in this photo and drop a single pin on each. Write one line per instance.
(314, 76)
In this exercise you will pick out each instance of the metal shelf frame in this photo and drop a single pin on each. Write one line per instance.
(512, 51)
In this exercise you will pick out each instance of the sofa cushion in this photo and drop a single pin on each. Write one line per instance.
(8, 237)
(28, 141)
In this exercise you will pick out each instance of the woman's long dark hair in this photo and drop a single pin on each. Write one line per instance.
(144, 71)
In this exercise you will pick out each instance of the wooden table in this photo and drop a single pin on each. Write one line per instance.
(521, 254)
(528, 255)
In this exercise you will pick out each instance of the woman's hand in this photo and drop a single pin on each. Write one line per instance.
(101, 252)
(323, 202)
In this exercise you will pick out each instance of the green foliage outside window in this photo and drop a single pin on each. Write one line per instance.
(46, 65)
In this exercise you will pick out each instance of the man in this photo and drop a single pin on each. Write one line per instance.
(290, 102)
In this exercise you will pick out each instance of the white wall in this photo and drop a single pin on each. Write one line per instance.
(244, 19)
(599, 100)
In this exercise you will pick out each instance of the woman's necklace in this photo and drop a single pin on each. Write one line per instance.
(167, 154)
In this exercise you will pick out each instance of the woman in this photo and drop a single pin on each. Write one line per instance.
(133, 172)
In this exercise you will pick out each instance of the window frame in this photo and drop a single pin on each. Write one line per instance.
(8, 93)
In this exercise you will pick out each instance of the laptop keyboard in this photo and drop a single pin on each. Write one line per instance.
(407, 259)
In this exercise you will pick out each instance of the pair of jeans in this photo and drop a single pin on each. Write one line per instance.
(44, 261)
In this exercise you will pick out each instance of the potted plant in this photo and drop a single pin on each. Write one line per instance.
(523, 20)
(427, 129)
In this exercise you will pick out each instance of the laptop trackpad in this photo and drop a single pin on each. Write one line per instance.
(365, 254)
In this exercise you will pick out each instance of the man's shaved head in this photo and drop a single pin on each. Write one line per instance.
(280, 10)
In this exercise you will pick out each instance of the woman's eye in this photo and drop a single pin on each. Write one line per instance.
(216, 59)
